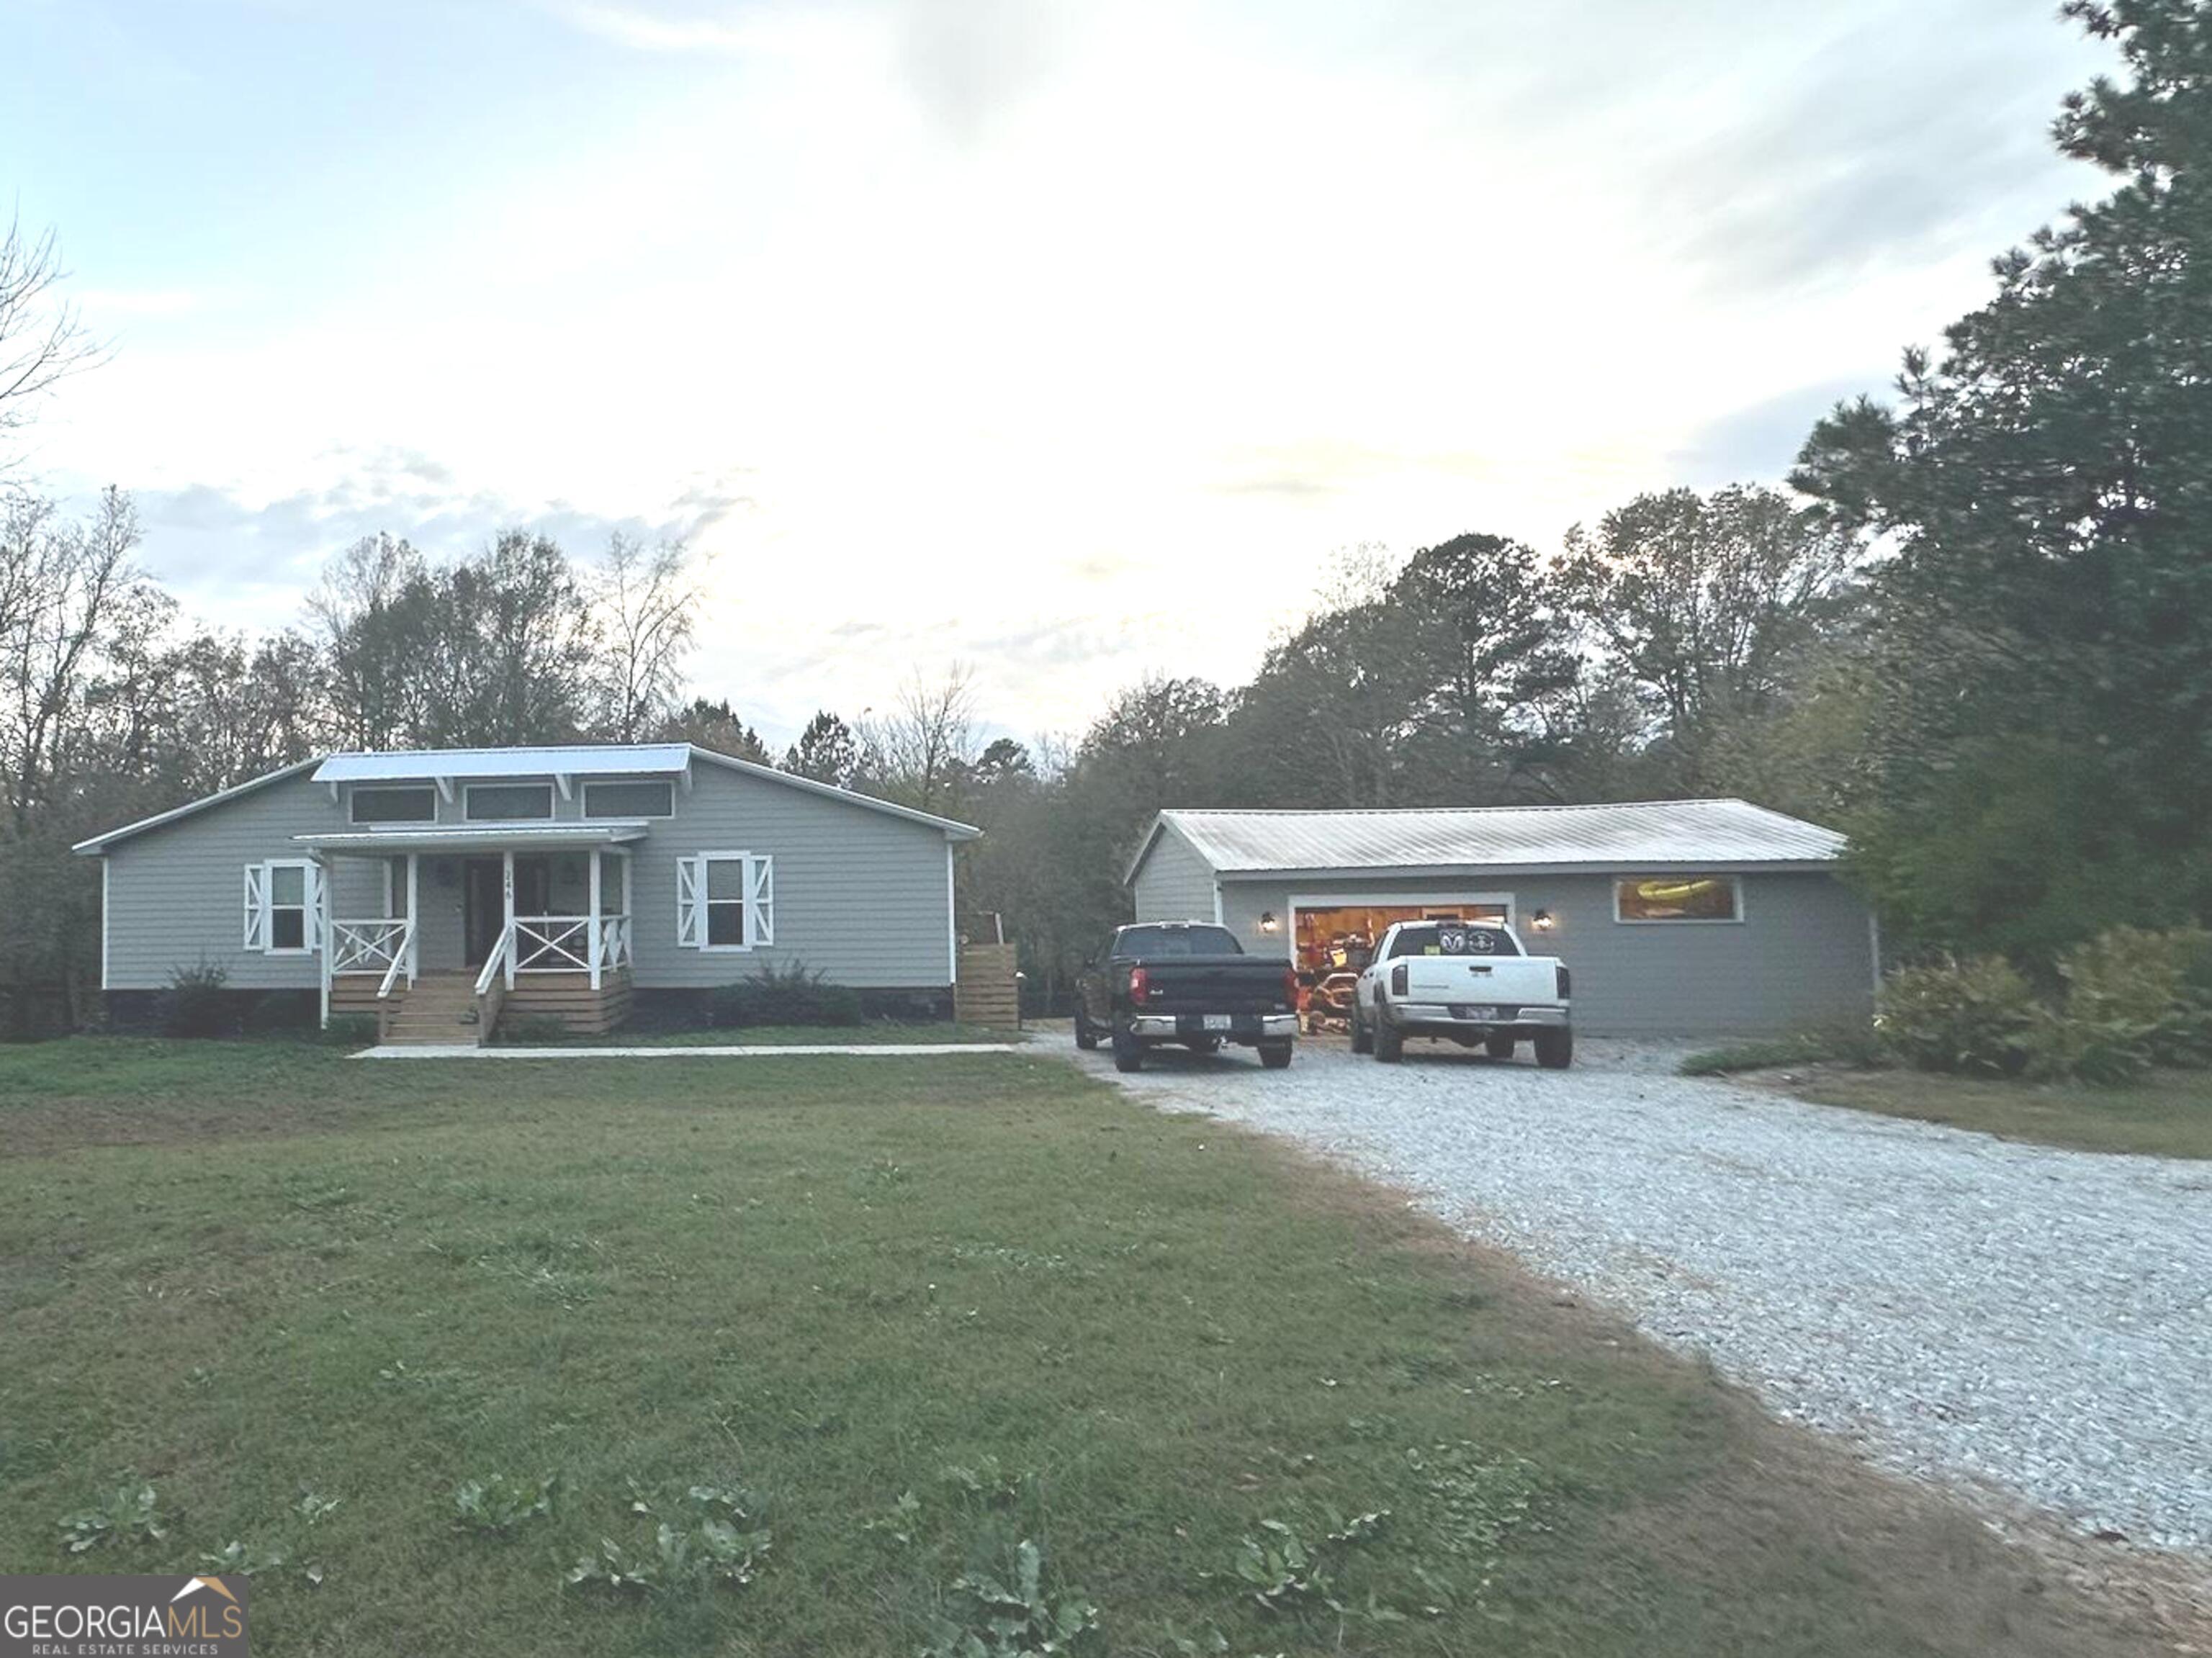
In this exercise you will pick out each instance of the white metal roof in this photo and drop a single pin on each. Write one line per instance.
(420, 764)
(1639, 834)
(574, 760)
(473, 837)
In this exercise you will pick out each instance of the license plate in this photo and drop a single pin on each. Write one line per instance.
(1478, 1011)
(1216, 1021)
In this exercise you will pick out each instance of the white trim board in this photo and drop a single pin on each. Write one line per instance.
(1386, 900)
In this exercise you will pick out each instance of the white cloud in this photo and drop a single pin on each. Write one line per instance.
(1073, 348)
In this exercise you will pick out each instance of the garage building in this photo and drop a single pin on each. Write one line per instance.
(1677, 917)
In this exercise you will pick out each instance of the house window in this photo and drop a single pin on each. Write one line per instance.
(283, 908)
(395, 805)
(1677, 898)
(725, 901)
(496, 803)
(655, 800)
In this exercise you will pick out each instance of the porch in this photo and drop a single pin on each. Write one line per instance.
(475, 925)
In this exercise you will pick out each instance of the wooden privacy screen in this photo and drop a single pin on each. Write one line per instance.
(986, 994)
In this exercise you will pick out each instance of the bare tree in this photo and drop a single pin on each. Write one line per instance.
(369, 613)
(65, 592)
(42, 340)
(921, 752)
(646, 598)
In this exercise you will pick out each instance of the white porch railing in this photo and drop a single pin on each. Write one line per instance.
(376, 945)
(403, 960)
(563, 944)
(552, 943)
(614, 943)
(491, 985)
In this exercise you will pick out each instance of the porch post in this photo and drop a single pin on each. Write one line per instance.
(507, 898)
(629, 919)
(414, 916)
(316, 877)
(592, 928)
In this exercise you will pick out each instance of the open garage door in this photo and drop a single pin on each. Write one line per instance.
(1341, 938)
(1332, 940)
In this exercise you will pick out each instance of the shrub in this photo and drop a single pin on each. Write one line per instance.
(350, 1030)
(532, 1029)
(280, 1011)
(194, 1004)
(1857, 1044)
(1977, 1016)
(793, 996)
(2132, 1000)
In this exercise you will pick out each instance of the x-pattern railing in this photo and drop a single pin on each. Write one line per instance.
(614, 942)
(373, 945)
(552, 943)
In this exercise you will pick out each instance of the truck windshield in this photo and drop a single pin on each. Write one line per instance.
(1156, 941)
(1452, 939)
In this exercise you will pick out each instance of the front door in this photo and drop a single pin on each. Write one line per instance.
(483, 907)
(483, 902)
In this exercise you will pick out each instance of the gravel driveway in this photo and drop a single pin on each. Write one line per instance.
(2038, 1319)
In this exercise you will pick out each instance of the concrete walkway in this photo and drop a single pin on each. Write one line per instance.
(848, 1050)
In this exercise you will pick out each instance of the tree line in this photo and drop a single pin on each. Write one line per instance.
(1975, 632)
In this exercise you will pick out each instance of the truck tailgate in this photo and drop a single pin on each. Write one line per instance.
(1213, 984)
(1500, 981)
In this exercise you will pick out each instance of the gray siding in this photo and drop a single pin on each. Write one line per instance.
(1802, 957)
(1175, 882)
(860, 895)
(174, 895)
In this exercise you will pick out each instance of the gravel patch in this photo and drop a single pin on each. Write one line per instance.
(1961, 1307)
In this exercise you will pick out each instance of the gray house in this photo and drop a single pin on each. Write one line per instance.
(1676, 916)
(439, 889)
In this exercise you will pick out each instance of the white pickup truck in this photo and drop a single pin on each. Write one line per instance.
(1468, 983)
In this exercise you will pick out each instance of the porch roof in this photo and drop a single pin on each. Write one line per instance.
(475, 837)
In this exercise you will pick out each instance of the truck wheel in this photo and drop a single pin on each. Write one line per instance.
(1555, 1048)
(1363, 1039)
(1276, 1056)
(1389, 1042)
(1128, 1052)
(1498, 1044)
(1086, 1037)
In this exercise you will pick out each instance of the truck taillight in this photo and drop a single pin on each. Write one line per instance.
(1398, 980)
(1290, 988)
(1140, 984)
(1566, 983)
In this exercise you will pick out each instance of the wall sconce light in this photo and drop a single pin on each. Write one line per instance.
(1267, 922)
(1542, 921)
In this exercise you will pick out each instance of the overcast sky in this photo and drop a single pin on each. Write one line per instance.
(1067, 339)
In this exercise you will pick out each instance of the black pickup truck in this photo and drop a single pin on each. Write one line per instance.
(1186, 982)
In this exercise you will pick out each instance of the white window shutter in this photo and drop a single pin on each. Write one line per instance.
(760, 900)
(690, 903)
(318, 905)
(257, 908)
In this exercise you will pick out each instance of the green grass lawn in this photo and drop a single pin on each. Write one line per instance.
(921, 1312)
(2166, 1114)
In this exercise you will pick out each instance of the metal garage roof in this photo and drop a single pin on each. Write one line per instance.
(1639, 834)
(579, 760)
